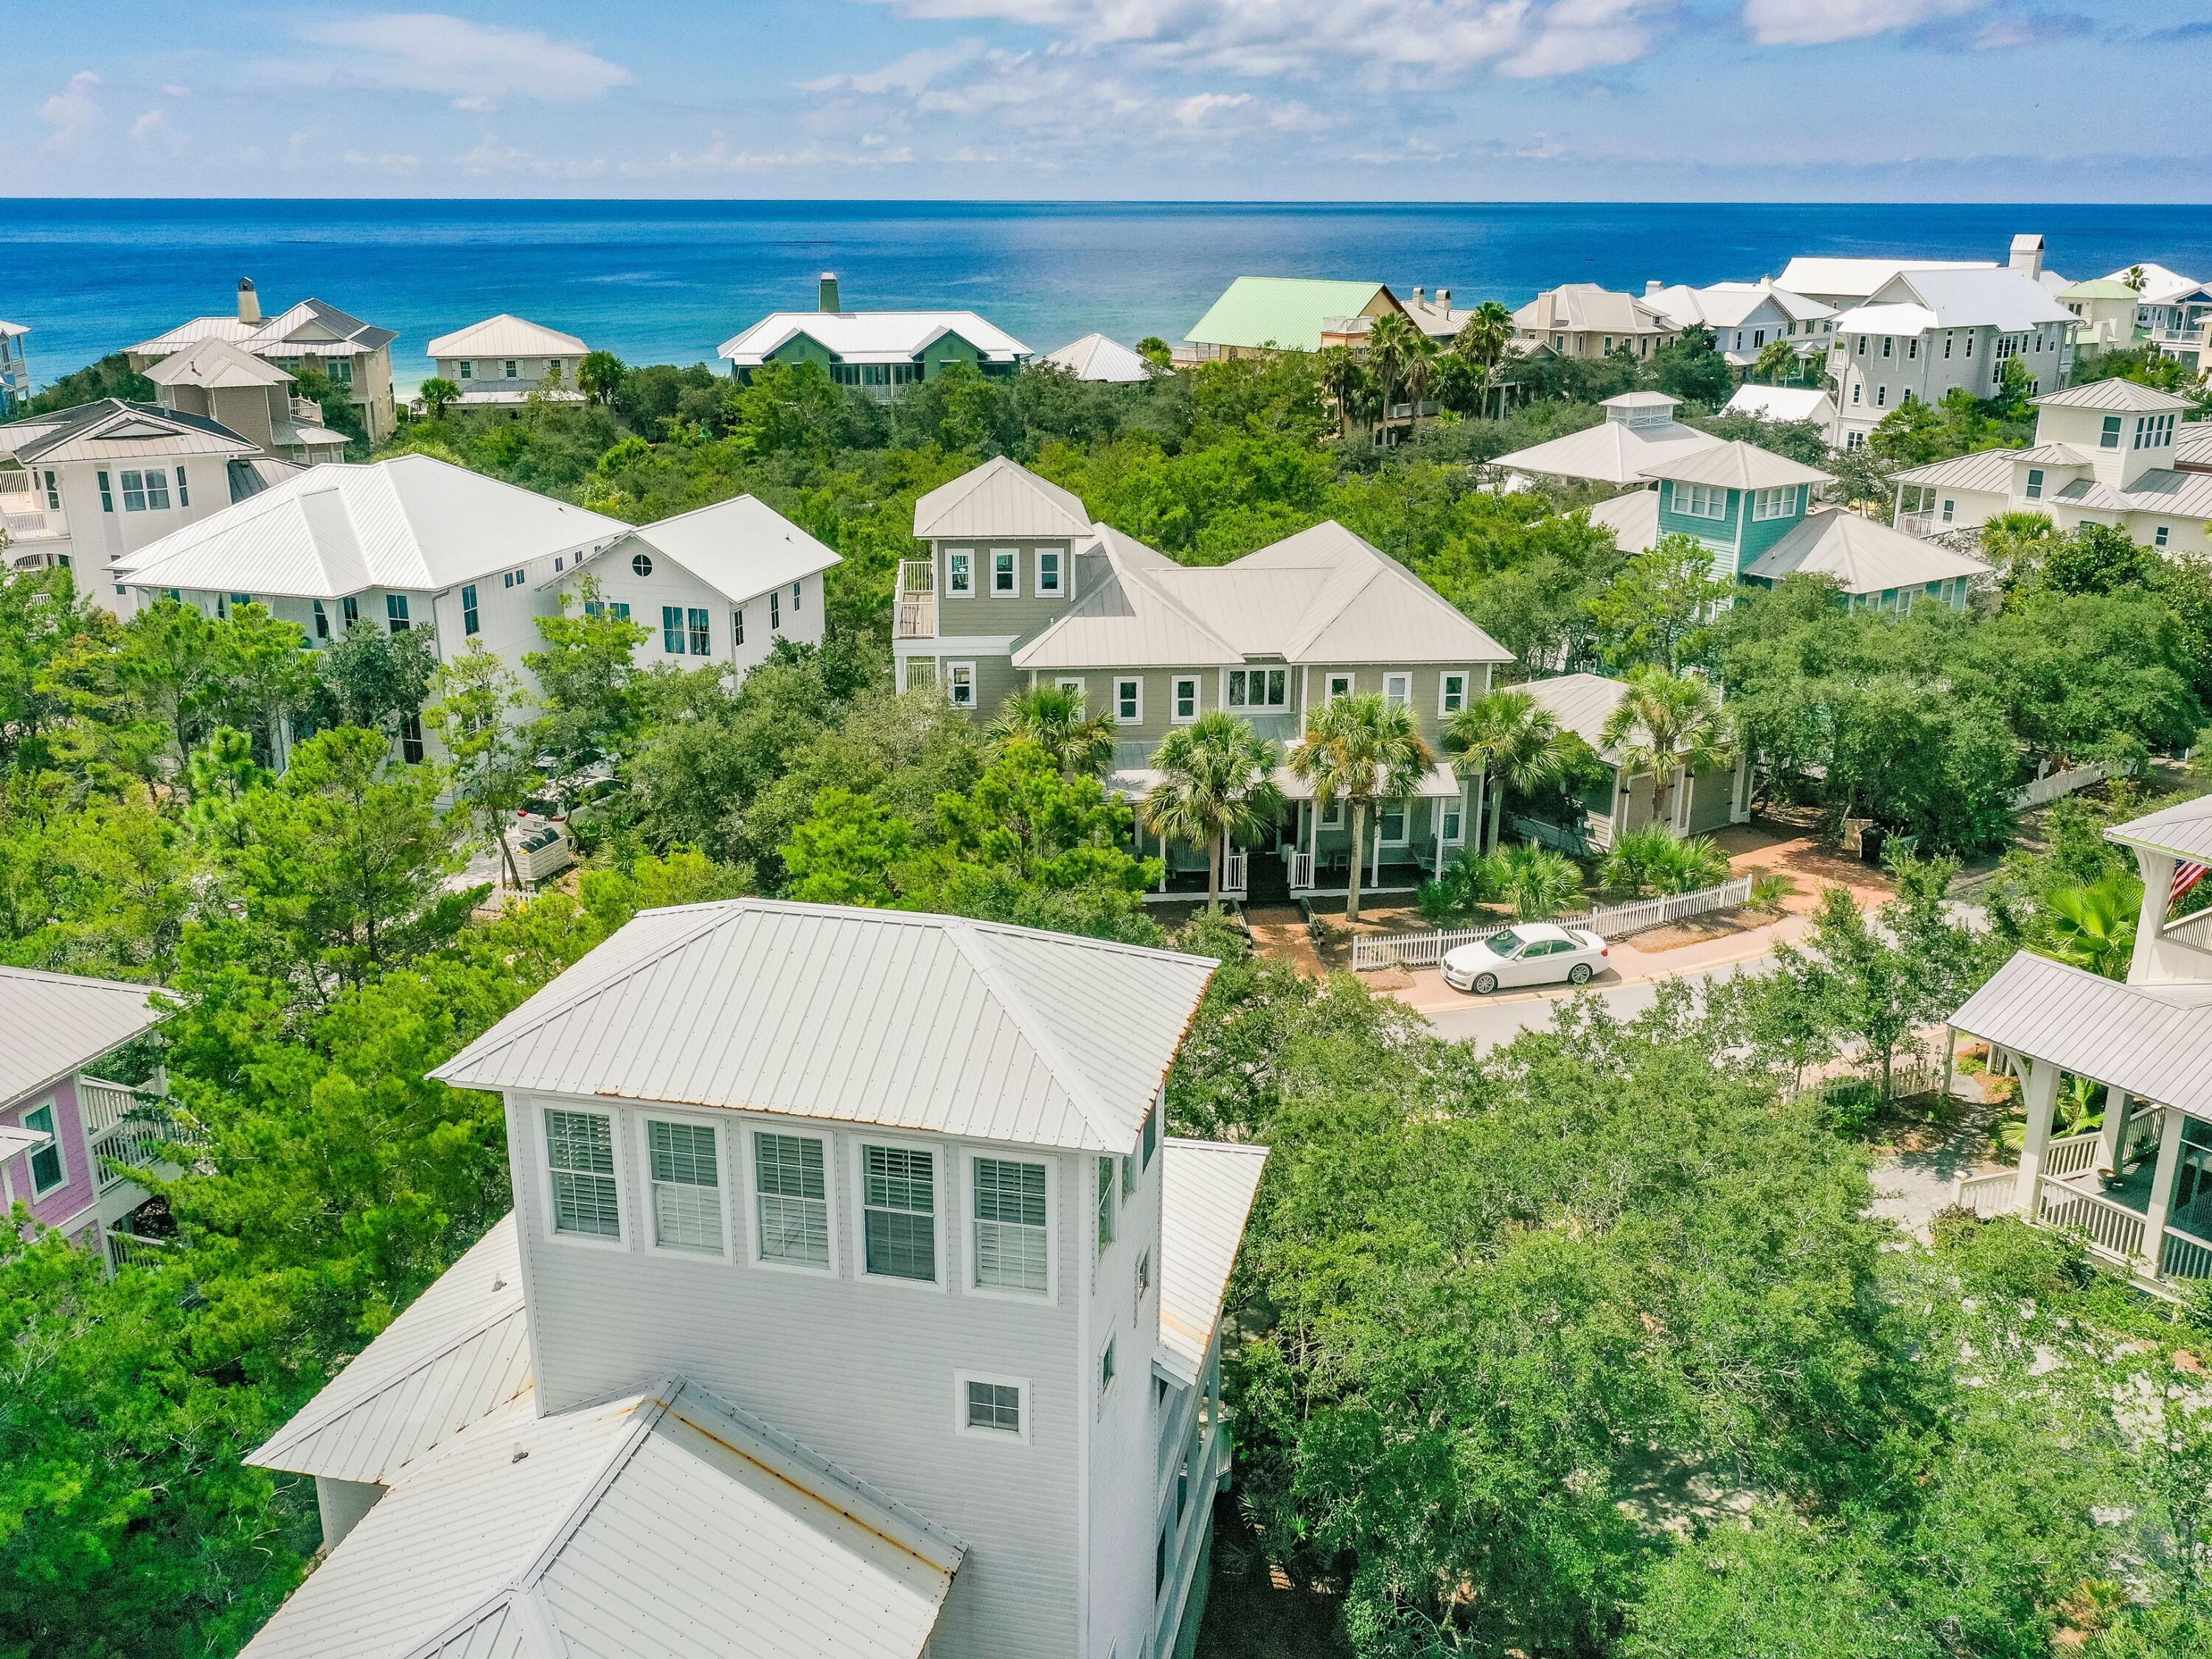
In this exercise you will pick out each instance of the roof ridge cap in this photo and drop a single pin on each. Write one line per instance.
(1032, 1025)
(658, 1395)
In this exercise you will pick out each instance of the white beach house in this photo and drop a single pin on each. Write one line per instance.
(503, 362)
(1926, 332)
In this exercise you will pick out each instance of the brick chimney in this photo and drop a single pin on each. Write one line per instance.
(826, 294)
(249, 302)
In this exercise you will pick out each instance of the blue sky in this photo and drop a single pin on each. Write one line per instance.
(1401, 99)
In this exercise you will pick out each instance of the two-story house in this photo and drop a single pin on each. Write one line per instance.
(1583, 320)
(1926, 332)
(310, 335)
(1746, 318)
(15, 368)
(2104, 453)
(853, 1302)
(1619, 801)
(877, 352)
(85, 488)
(1843, 283)
(2106, 311)
(502, 361)
(1640, 431)
(1754, 509)
(70, 1139)
(2171, 309)
(1258, 316)
(250, 396)
(2138, 1189)
(1019, 593)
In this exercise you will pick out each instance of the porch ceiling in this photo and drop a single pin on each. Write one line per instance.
(2155, 1041)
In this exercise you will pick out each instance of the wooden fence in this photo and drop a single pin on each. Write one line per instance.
(1612, 921)
(2045, 790)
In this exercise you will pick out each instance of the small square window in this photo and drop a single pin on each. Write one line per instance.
(994, 1407)
(1339, 685)
(960, 684)
(2159, 536)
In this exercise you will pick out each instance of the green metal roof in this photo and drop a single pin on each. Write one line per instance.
(2100, 287)
(1281, 311)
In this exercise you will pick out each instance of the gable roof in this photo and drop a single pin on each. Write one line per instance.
(1585, 307)
(1000, 498)
(741, 548)
(1737, 465)
(412, 523)
(1987, 471)
(506, 336)
(906, 1020)
(1611, 451)
(1206, 1188)
(2115, 393)
(1863, 556)
(663, 1521)
(1724, 305)
(1582, 704)
(215, 364)
(50, 1024)
(870, 337)
(1780, 403)
(2004, 299)
(2097, 288)
(1095, 357)
(306, 324)
(2184, 830)
(1855, 278)
(2162, 285)
(114, 429)
(1282, 311)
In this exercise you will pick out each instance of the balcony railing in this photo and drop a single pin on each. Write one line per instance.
(1921, 525)
(125, 1127)
(307, 409)
(29, 518)
(914, 607)
(129, 1249)
(2114, 1230)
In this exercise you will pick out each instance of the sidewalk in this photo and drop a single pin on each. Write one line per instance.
(1280, 932)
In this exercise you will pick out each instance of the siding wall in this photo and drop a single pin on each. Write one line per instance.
(79, 1187)
(985, 612)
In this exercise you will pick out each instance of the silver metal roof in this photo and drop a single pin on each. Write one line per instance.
(1865, 557)
(894, 1017)
(216, 363)
(740, 547)
(113, 428)
(460, 1351)
(1738, 465)
(506, 336)
(1612, 451)
(1095, 357)
(1206, 1188)
(1000, 498)
(872, 336)
(666, 1522)
(1581, 703)
(2184, 831)
(2154, 1041)
(2115, 394)
(1987, 471)
(50, 1024)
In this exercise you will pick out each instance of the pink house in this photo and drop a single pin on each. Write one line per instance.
(70, 1137)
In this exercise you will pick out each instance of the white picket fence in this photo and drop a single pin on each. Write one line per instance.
(1612, 921)
(2045, 790)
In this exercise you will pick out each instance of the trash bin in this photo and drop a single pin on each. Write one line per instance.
(1871, 841)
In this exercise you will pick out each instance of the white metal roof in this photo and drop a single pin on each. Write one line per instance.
(2155, 1041)
(113, 428)
(1439, 782)
(1000, 498)
(1985, 471)
(1612, 451)
(2157, 490)
(460, 1351)
(664, 1523)
(15, 1140)
(1781, 403)
(1206, 1193)
(2008, 300)
(216, 364)
(913, 1021)
(506, 336)
(1724, 305)
(2115, 394)
(2184, 830)
(1581, 703)
(1858, 278)
(308, 327)
(1863, 556)
(1900, 318)
(50, 1024)
(1586, 306)
(2162, 285)
(12, 329)
(411, 523)
(1737, 465)
(1633, 518)
(740, 547)
(1095, 357)
(870, 337)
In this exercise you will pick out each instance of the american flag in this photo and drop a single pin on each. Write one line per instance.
(2185, 876)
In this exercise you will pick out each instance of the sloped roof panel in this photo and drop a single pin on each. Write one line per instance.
(1738, 465)
(2184, 831)
(1987, 471)
(51, 1025)
(1000, 498)
(1780, 403)
(2007, 299)
(1865, 557)
(1612, 451)
(1281, 311)
(2154, 1041)
(114, 429)
(1206, 1192)
(741, 548)
(870, 337)
(1859, 278)
(1633, 518)
(1581, 703)
(1095, 357)
(2115, 394)
(216, 363)
(506, 336)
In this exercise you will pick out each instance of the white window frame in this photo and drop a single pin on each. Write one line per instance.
(948, 678)
(1950, 508)
(856, 1164)
(751, 1213)
(1332, 817)
(953, 590)
(1176, 699)
(2162, 535)
(963, 1427)
(2033, 491)
(1059, 585)
(1012, 555)
(1444, 705)
(53, 1112)
(1102, 1382)
(1779, 503)
(1048, 1297)
(1121, 682)
(617, 1140)
(644, 1119)
(1267, 671)
(1452, 815)
(1704, 501)
(1398, 690)
(1079, 688)
(1330, 693)
(1404, 808)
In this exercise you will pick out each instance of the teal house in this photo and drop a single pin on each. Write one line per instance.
(877, 352)
(1754, 510)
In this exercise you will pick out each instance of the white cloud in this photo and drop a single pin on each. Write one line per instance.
(170, 90)
(386, 163)
(475, 65)
(908, 74)
(719, 157)
(1817, 23)
(146, 125)
(492, 158)
(73, 112)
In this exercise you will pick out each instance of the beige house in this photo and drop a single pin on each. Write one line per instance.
(2104, 453)
(251, 396)
(503, 362)
(1581, 320)
(310, 335)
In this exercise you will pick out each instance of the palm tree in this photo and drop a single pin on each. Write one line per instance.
(1217, 782)
(438, 394)
(1420, 360)
(600, 376)
(1540, 882)
(1391, 344)
(1339, 371)
(2094, 927)
(1512, 739)
(1081, 745)
(1777, 362)
(1483, 340)
(1665, 720)
(2137, 278)
(1363, 749)
(2012, 538)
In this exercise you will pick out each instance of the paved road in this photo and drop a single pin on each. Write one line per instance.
(1493, 1020)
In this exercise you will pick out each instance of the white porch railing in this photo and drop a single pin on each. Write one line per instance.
(105, 1104)
(124, 1249)
(2071, 1155)
(2187, 1256)
(1987, 1195)
(1232, 870)
(1920, 525)
(914, 610)
(1300, 864)
(2114, 1230)
(1613, 921)
(2052, 785)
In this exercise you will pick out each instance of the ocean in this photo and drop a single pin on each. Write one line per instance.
(667, 281)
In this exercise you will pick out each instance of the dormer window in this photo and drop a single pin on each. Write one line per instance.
(2035, 484)
(1775, 503)
(2109, 438)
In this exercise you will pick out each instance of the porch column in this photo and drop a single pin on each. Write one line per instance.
(1310, 812)
(1374, 864)
(1739, 799)
(2041, 1094)
(1477, 791)
(1497, 810)
(2171, 1123)
(2113, 1137)
(1436, 825)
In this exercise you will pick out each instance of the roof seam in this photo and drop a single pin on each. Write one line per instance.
(1029, 1022)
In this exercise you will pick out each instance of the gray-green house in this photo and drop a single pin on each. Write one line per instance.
(878, 352)
(1021, 591)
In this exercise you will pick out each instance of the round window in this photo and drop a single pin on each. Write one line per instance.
(640, 563)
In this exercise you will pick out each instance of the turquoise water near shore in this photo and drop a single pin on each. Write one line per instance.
(667, 281)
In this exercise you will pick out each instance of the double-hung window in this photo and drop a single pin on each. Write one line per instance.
(795, 589)
(1186, 698)
(1048, 571)
(898, 1213)
(672, 629)
(775, 612)
(54, 491)
(1259, 687)
(701, 643)
(411, 740)
(1105, 1205)
(687, 1186)
(350, 608)
(1129, 701)
(134, 490)
(49, 1170)
(1011, 1238)
(2109, 438)
(792, 1193)
(1006, 573)
(960, 684)
(323, 621)
(580, 1151)
(2035, 484)
(738, 626)
(1451, 693)
(959, 572)
(2159, 537)
(395, 613)
(1398, 689)
(106, 495)
(157, 490)
(1774, 503)
(468, 610)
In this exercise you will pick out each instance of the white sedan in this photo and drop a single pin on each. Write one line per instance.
(1530, 953)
